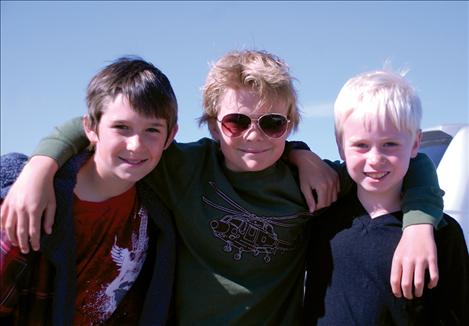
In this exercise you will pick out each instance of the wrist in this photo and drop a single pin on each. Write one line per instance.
(419, 228)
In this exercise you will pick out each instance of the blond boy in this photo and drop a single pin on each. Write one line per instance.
(377, 124)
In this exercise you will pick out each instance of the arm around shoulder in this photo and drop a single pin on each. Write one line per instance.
(65, 141)
(30, 196)
(422, 200)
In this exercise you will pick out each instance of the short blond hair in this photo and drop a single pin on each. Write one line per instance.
(379, 95)
(259, 71)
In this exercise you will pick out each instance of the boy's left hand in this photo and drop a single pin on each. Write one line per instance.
(414, 254)
(317, 179)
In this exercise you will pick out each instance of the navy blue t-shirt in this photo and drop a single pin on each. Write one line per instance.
(349, 268)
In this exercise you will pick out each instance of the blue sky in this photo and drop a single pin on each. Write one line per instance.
(50, 50)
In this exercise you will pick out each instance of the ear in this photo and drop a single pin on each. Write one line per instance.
(171, 136)
(213, 128)
(416, 144)
(91, 133)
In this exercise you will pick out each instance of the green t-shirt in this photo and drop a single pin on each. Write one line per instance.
(243, 238)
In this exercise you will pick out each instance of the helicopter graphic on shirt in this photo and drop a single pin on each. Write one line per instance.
(244, 231)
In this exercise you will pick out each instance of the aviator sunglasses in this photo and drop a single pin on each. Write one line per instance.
(273, 125)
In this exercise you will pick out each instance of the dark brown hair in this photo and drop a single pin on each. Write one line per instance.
(147, 89)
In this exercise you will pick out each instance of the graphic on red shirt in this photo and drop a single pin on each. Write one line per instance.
(109, 262)
(129, 264)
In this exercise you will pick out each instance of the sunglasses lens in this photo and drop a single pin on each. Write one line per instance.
(273, 125)
(235, 124)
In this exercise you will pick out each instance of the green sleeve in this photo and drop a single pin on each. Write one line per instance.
(64, 141)
(422, 198)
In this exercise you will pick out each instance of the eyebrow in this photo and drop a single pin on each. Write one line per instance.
(354, 139)
(157, 123)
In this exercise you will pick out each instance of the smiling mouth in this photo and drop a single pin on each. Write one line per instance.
(133, 161)
(253, 151)
(376, 175)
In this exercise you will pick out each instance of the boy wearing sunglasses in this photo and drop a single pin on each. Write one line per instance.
(241, 218)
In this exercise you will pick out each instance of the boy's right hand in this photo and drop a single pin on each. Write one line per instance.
(317, 179)
(415, 254)
(31, 196)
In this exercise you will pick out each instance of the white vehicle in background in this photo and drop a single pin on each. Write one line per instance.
(448, 147)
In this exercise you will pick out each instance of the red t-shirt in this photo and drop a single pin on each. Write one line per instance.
(112, 243)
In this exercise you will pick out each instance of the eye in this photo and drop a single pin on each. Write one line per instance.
(153, 130)
(120, 127)
(391, 144)
(360, 145)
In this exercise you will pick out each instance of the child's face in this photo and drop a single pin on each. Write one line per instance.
(377, 157)
(127, 145)
(252, 149)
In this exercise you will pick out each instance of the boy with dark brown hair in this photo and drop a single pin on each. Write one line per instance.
(112, 236)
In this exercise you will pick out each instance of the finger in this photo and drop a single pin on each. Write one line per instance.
(419, 279)
(3, 214)
(331, 193)
(22, 232)
(396, 275)
(321, 197)
(434, 274)
(308, 194)
(34, 232)
(331, 196)
(327, 200)
(407, 279)
(10, 228)
(335, 191)
(49, 216)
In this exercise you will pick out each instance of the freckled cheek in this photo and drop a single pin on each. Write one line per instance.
(228, 141)
(354, 159)
(228, 145)
(356, 166)
(280, 144)
(156, 150)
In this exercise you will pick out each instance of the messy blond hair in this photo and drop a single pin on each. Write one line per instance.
(258, 71)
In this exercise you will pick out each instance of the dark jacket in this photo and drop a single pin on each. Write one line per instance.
(60, 249)
(349, 265)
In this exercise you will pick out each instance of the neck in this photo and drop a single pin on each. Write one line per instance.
(377, 204)
(95, 187)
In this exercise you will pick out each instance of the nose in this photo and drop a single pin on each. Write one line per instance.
(254, 130)
(134, 143)
(375, 157)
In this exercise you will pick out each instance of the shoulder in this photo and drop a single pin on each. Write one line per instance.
(346, 205)
(452, 226)
(451, 235)
(152, 203)
(65, 178)
(73, 165)
(183, 156)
